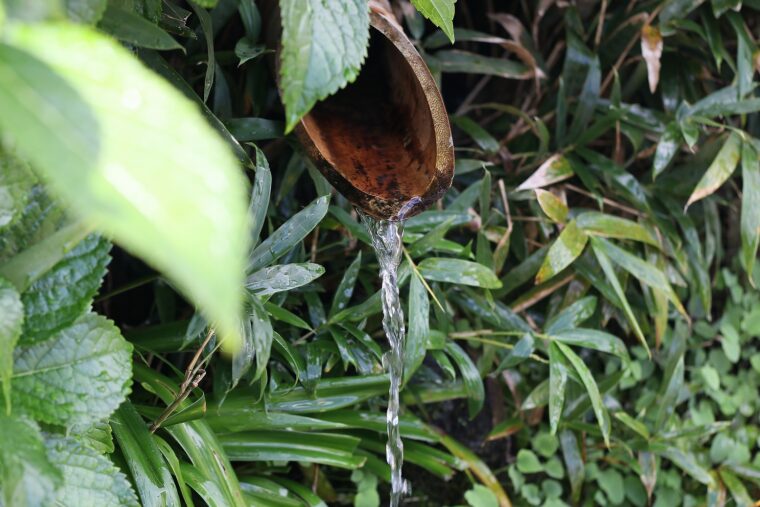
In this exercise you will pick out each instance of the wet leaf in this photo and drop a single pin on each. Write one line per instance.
(473, 384)
(720, 169)
(667, 148)
(593, 339)
(458, 271)
(345, 288)
(259, 203)
(602, 418)
(284, 277)
(78, 376)
(419, 327)
(519, 353)
(572, 316)
(565, 249)
(323, 48)
(687, 462)
(557, 383)
(573, 462)
(556, 168)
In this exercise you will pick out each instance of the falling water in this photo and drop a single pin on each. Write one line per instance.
(386, 240)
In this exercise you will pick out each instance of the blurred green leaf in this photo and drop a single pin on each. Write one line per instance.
(552, 205)
(556, 168)
(141, 184)
(418, 329)
(720, 170)
(12, 311)
(473, 384)
(131, 28)
(750, 213)
(557, 383)
(458, 271)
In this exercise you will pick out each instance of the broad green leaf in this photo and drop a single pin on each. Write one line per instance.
(720, 169)
(345, 288)
(65, 292)
(667, 148)
(458, 271)
(288, 235)
(473, 384)
(89, 479)
(593, 339)
(98, 436)
(88, 12)
(79, 375)
(610, 226)
(284, 277)
(419, 327)
(645, 272)
(556, 168)
(27, 478)
(593, 391)
(481, 496)
(440, 12)
(527, 462)
(11, 321)
(552, 205)
(565, 249)
(750, 215)
(130, 27)
(132, 155)
(609, 273)
(557, 383)
(16, 182)
(323, 47)
(150, 473)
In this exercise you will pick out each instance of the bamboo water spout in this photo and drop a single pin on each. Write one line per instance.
(384, 141)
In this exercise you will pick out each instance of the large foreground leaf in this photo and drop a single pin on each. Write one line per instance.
(440, 12)
(89, 478)
(323, 47)
(26, 475)
(78, 376)
(130, 154)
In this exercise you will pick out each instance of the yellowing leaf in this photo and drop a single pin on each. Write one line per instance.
(555, 168)
(568, 246)
(651, 50)
(552, 205)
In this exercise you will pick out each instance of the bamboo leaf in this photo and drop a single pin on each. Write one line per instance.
(720, 170)
(565, 249)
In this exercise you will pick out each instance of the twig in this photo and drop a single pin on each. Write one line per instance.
(193, 376)
(608, 202)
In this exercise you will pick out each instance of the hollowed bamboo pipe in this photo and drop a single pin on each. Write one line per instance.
(384, 141)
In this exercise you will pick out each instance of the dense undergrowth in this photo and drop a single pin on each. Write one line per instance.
(582, 305)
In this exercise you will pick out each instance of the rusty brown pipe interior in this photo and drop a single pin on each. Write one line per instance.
(383, 141)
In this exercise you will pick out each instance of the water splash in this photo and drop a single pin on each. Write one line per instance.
(386, 240)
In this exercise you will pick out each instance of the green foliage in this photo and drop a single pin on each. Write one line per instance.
(581, 305)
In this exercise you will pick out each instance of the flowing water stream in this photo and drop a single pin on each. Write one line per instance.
(386, 240)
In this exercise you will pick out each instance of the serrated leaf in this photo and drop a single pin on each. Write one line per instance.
(720, 169)
(750, 217)
(78, 376)
(283, 277)
(600, 411)
(96, 436)
(323, 47)
(11, 321)
(41, 217)
(552, 205)
(288, 234)
(565, 249)
(16, 182)
(458, 271)
(65, 292)
(137, 157)
(556, 168)
(89, 479)
(440, 12)
(27, 477)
